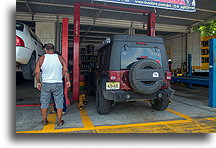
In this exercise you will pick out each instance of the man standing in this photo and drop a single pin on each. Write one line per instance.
(53, 68)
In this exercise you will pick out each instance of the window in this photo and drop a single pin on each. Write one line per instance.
(19, 27)
(130, 54)
(34, 36)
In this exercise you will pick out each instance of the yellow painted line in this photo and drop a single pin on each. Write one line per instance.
(177, 126)
(179, 114)
(85, 118)
(180, 126)
(66, 130)
(51, 123)
(197, 67)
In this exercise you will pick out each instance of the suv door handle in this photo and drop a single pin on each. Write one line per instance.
(35, 43)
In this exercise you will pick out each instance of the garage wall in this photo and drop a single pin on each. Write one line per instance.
(46, 31)
(176, 49)
(194, 48)
(179, 45)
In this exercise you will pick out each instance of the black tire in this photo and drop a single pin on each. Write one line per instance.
(103, 106)
(90, 85)
(28, 69)
(148, 86)
(160, 104)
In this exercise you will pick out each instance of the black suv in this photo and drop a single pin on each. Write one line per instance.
(132, 68)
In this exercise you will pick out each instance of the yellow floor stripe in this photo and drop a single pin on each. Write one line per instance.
(204, 125)
(86, 119)
(179, 114)
(51, 123)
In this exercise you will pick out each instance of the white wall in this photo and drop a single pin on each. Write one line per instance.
(176, 45)
(178, 49)
(46, 31)
(194, 48)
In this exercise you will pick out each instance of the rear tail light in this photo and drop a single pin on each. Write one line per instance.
(143, 57)
(168, 75)
(19, 42)
(113, 76)
(157, 61)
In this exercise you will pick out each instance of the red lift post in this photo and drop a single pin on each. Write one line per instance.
(76, 69)
(65, 51)
(151, 21)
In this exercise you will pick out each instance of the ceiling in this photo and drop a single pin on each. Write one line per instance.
(98, 24)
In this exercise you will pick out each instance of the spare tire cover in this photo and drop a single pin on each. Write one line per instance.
(146, 76)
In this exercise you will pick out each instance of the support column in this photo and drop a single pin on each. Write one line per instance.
(76, 70)
(65, 51)
(212, 73)
(151, 21)
(57, 38)
(130, 31)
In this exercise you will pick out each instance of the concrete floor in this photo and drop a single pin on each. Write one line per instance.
(188, 113)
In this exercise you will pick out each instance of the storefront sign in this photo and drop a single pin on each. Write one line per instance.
(182, 5)
(205, 52)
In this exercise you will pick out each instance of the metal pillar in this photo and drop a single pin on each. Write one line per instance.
(212, 73)
(151, 24)
(189, 68)
(58, 30)
(189, 65)
(65, 51)
(76, 69)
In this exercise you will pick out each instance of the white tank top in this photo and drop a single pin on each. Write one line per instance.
(51, 69)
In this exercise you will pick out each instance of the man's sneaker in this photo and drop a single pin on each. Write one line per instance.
(44, 122)
(60, 123)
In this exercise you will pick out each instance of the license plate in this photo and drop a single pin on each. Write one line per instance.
(112, 85)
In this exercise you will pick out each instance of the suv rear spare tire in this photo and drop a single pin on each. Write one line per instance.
(146, 76)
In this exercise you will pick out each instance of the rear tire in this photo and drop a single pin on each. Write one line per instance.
(90, 87)
(103, 106)
(160, 104)
(28, 69)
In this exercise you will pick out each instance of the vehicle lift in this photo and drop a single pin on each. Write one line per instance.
(209, 81)
(189, 79)
(212, 74)
(151, 21)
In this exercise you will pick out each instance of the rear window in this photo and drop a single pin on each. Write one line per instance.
(129, 55)
(19, 27)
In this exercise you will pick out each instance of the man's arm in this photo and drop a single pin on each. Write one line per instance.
(65, 72)
(37, 72)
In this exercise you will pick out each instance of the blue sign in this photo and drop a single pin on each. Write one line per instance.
(182, 5)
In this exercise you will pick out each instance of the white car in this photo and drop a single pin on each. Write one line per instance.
(28, 49)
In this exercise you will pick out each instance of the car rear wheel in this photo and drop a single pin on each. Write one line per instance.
(146, 76)
(103, 105)
(28, 69)
(160, 104)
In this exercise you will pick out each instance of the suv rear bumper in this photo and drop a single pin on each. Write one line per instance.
(122, 95)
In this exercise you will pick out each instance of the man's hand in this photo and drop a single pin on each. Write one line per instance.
(68, 84)
(39, 86)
